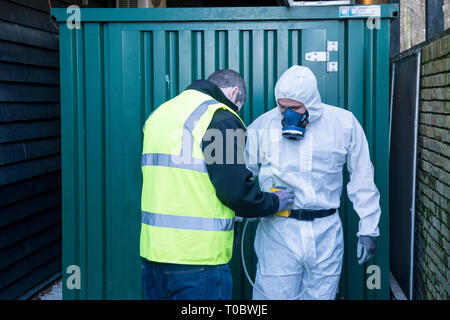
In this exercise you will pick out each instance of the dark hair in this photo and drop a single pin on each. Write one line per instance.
(229, 78)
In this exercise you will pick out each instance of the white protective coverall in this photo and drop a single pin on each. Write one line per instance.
(312, 167)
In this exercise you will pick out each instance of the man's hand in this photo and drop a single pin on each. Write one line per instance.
(286, 197)
(365, 249)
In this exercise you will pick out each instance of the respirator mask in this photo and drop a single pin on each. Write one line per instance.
(294, 124)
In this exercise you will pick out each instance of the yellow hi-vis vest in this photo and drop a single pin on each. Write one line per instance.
(183, 221)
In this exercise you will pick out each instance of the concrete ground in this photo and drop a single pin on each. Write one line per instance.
(52, 292)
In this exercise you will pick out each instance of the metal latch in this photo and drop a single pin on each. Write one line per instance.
(316, 56)
(324, 56)
(332, 66)
(332, 46)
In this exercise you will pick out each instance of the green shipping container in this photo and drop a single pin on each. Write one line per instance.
(120, 64)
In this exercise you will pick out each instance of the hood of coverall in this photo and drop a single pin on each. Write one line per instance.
(299, 83)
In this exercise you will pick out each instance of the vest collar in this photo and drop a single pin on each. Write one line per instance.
(211, 89)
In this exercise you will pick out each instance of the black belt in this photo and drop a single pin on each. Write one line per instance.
(310, 215)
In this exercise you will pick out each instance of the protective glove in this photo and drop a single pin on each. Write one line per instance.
(365, 248)
(286, 197)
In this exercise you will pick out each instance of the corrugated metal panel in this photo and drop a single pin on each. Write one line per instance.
(115, 73)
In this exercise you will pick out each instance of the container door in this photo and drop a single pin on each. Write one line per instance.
(151, 63)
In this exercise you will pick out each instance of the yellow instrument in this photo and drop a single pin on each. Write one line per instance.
(284, 213)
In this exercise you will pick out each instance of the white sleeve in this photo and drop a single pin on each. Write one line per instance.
(361, 189)
(251, 151)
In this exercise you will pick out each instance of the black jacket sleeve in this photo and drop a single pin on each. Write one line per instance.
(233, 181)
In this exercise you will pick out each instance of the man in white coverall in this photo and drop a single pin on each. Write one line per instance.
(312, 167)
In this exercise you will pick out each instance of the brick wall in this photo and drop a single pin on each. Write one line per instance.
(432, 249)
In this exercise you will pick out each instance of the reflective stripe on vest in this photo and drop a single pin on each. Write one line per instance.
(169, 160)
(185, 159)
(189, 223)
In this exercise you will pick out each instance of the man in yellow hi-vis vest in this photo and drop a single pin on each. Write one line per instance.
(194, 182)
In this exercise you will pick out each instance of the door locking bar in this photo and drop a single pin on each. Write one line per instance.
(324, 56)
